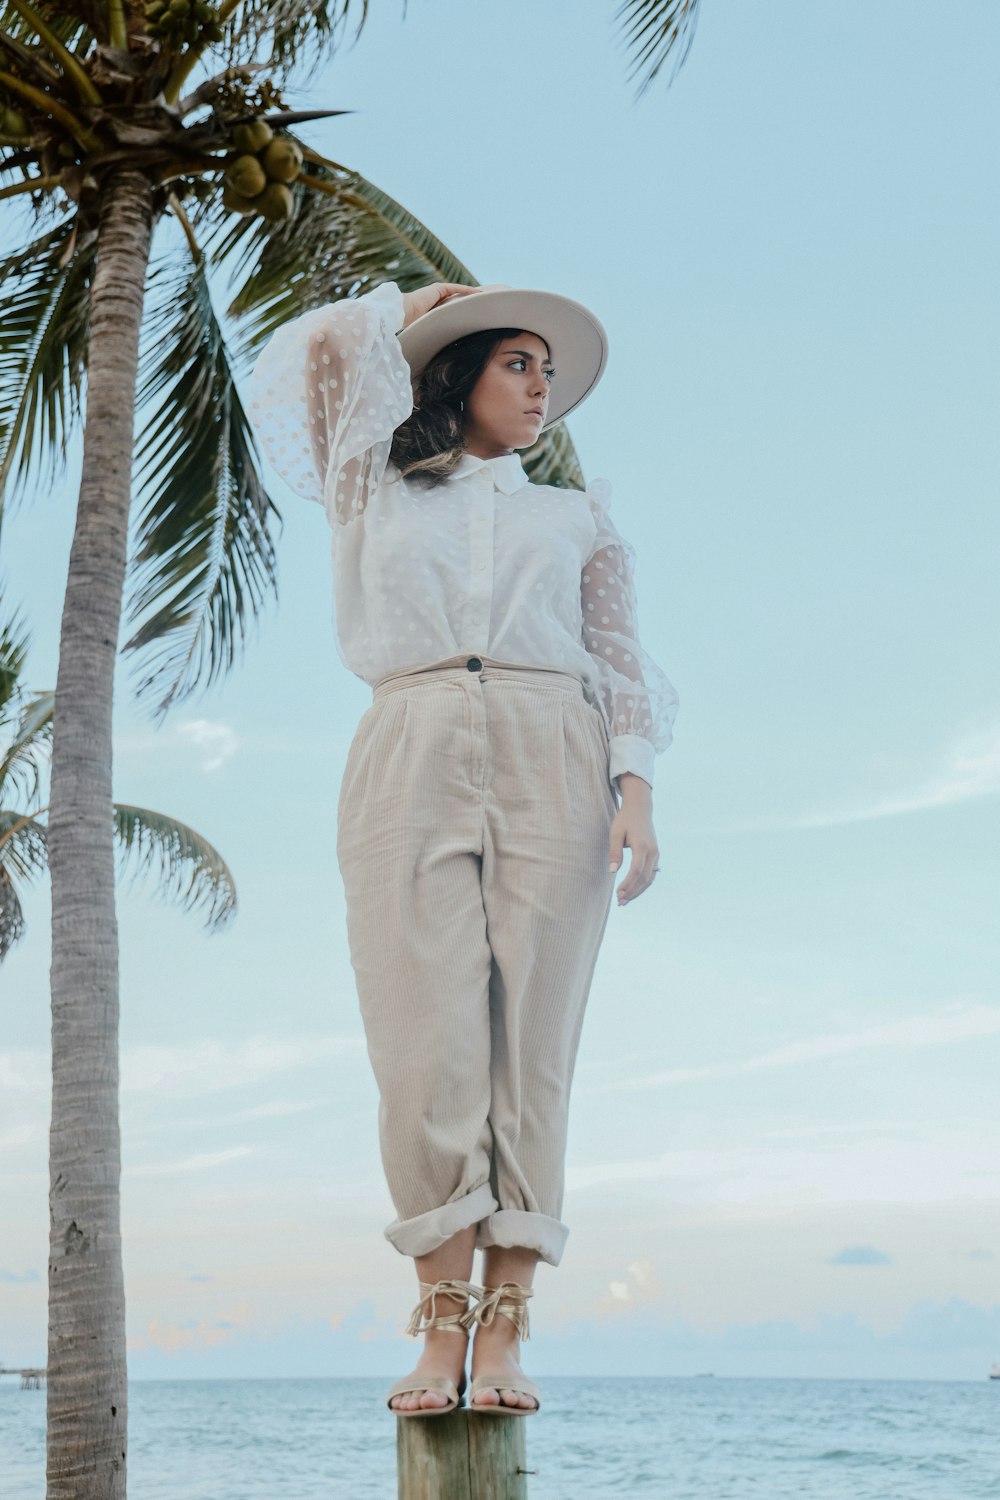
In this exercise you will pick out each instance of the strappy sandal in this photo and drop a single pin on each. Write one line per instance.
(510, 1300)
(420, 1322)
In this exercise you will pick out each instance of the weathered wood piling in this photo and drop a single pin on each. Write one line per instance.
(463, 1456)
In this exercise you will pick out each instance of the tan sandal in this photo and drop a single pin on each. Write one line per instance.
(423, 1317)
(510, 1300)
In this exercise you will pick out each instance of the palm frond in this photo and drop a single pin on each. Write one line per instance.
(655, 32)
(76, 25)
(43, 352)
(204, 557)
(21, 762)
(553, 460)
(188, 868)
(11, 915)
(338, 243)
(23, 844)
(294, 29)
(28, 723)
(13, 655)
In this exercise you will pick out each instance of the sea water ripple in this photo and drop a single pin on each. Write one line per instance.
(668, 1438)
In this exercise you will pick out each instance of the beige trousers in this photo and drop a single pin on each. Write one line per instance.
(472, 837)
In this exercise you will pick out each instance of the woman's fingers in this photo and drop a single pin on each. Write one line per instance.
(645, 854)
(617, 843)
(448, 289)
(423, 298)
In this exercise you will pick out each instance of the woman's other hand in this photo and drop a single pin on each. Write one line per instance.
(418, 302)
(633, 828)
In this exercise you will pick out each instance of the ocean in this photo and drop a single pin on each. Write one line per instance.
(672, 1439)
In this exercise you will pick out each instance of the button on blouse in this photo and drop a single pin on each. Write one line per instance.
(485, 563)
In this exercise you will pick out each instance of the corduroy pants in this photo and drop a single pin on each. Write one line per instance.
(472, 837)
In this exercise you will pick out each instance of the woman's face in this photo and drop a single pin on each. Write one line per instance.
(507, 406)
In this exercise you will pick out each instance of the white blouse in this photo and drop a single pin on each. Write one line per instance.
(485, 563)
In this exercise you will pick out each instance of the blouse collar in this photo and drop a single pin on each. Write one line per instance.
(508, 471)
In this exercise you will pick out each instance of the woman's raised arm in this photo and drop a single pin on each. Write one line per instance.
(327, 394)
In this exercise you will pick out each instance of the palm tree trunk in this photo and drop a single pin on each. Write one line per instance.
(87, 1392)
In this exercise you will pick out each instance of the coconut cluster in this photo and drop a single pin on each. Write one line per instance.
(178, 21)
(259, 171)
(13, 125)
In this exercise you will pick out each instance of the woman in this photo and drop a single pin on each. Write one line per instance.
(479, 825)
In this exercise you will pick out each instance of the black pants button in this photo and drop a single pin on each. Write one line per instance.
(474, 664)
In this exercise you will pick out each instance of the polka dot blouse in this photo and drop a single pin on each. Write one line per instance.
(485, 563)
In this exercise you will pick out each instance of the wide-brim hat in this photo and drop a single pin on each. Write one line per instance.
(577, 342)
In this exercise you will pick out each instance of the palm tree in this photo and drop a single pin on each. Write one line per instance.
(101, 134)
(189, 868)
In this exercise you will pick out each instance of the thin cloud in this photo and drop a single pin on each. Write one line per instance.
(953, 1025)
(208, 1066)
(934, 1166)
(860, 1255)
(971, 770)
(204, 1067)
(640, 1283)
(207, 1333)
(206, 1161)
(215, 741)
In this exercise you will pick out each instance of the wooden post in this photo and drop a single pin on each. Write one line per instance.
(463, 1456)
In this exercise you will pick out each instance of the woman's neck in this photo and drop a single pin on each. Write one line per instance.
(485, 448)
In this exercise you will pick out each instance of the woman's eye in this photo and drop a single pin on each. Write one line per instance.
(519, 364)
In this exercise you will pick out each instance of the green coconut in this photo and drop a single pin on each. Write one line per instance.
(13, 123)
(180, 8)
(276, 202)
(247, 176)
(253, 137)
(236, 203)
(282, 161)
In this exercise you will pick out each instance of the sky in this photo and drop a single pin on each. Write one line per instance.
(784, 1152)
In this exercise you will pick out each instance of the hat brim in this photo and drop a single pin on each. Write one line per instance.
(577, 342)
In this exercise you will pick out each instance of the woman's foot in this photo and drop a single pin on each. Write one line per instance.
(495, 1352)
(443, 1354)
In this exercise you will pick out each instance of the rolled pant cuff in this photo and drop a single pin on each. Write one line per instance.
(428, 1231)
(515, 1229)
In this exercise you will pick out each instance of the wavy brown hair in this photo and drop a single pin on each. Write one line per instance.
(429, 445)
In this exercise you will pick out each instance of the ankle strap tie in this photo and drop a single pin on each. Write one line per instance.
(509, 1299)
(424, 1316)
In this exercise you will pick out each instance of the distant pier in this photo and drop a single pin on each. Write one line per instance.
(31, 1380)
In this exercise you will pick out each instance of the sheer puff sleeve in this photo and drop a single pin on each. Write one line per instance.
(638, 702)
(327, 394)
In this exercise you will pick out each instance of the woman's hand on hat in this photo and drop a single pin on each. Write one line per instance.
(420, 301)
(633, 828)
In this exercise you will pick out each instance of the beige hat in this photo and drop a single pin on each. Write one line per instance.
(577, 341)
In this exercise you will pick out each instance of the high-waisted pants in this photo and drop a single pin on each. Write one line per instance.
(472, 836)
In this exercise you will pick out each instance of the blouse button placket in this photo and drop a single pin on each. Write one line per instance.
(480, 511)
